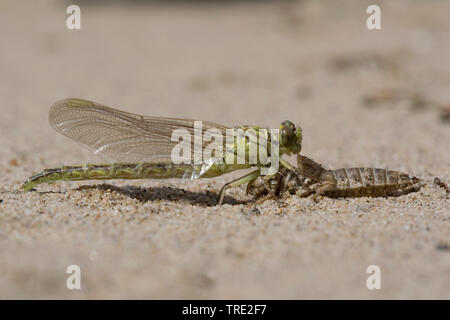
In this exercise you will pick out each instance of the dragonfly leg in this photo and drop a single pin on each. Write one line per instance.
(322, 188)
(263, 199)
(286, 183)
(286, 164)
(269, 189)
(237, 182)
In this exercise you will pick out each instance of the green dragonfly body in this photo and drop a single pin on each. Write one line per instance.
(139, 147)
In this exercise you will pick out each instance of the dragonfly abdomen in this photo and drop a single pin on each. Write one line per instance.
(143, 170)
(109, 171)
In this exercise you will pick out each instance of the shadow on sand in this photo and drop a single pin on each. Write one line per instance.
(165, 193)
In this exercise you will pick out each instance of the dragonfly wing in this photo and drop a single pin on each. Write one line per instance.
(119, 136)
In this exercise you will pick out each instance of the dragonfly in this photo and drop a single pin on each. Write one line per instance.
(140, 147)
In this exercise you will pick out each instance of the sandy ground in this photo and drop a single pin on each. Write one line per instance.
(363, 98)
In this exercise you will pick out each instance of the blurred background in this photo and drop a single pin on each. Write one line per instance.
(363, 98)
(234, 62)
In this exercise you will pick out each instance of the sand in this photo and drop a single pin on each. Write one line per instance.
(363, 98)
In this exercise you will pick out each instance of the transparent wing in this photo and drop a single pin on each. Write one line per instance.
(119, 136)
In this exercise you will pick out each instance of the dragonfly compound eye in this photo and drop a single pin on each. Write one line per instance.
(287, 130)
(290, 137)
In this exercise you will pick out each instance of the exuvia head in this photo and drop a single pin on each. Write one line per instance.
(290, 138)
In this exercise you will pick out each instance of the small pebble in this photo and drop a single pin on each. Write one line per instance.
(442, 246)
(253, 212)
(445, 114)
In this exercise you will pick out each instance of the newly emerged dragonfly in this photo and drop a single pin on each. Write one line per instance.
(140, 147)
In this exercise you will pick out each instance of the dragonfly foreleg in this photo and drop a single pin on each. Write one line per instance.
(237, 182)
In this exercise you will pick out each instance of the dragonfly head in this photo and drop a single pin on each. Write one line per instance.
(290, 138)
